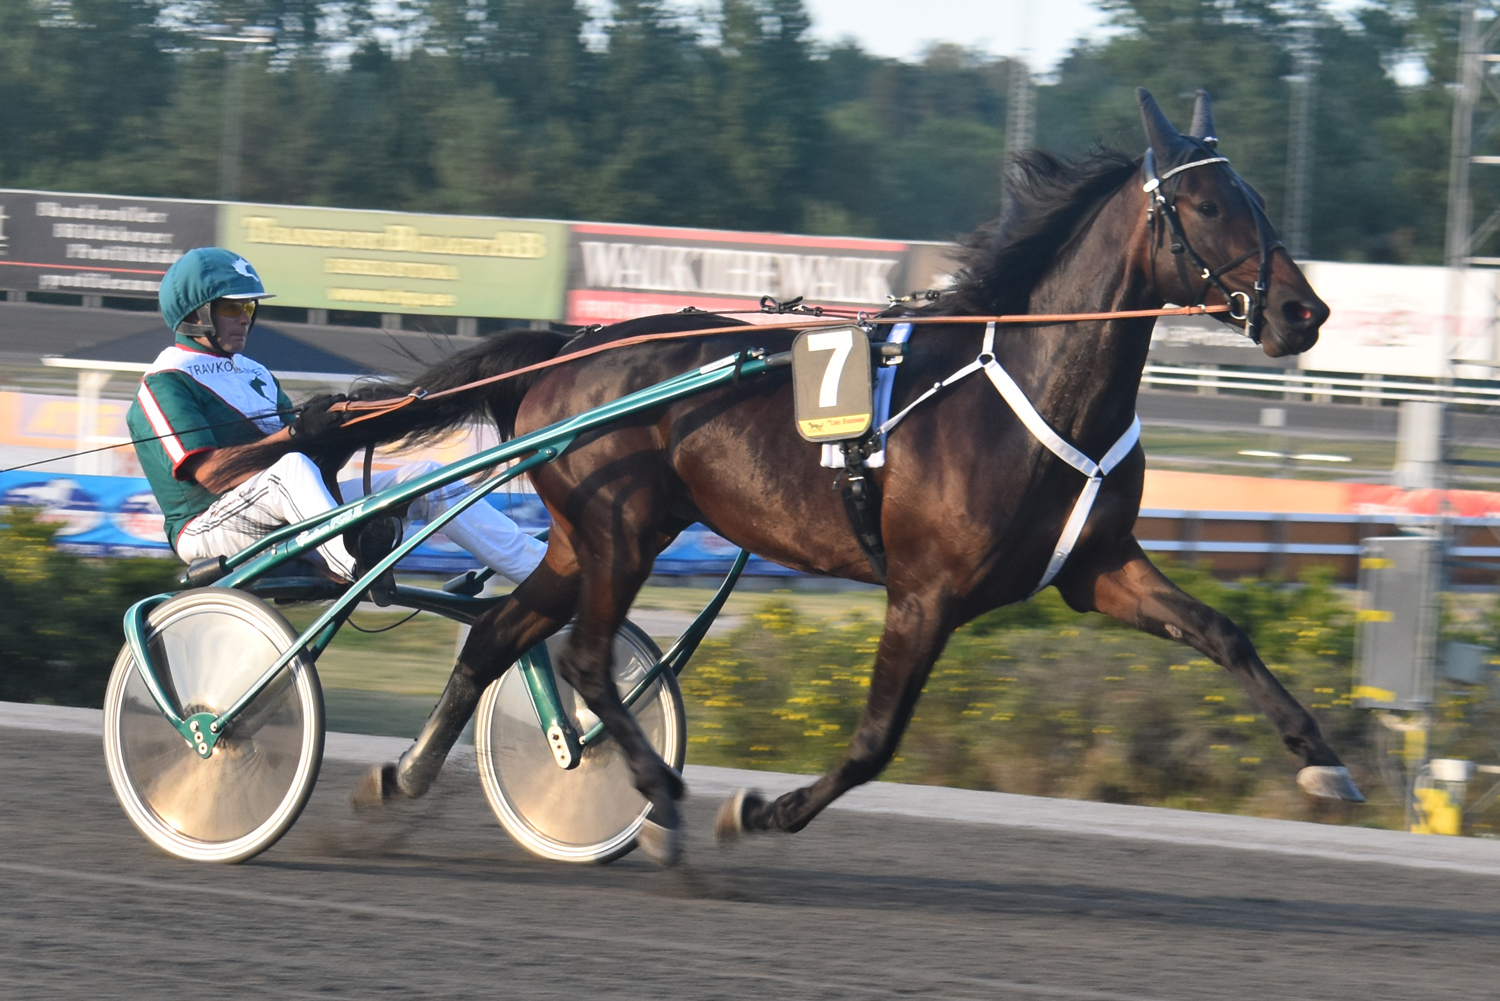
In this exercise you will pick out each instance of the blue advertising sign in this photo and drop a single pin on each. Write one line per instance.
(117, 516)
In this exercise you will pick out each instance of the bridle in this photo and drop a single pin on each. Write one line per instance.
(1251, 307)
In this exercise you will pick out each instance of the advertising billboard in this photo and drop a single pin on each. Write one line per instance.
(119, 516)
(930, 265)
(401, 262)
(1395, 319)
(619, 272)
(96, 244)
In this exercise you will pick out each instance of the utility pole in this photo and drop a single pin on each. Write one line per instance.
(231, 141)
(1477, 98)
(1301, 138)
(1424, 438)
(1461, 240)
(1020, 103)
(1020, 116)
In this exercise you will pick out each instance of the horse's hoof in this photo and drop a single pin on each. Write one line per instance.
(1329, 782)
(375, 789)
(666, 846)
(729, 822)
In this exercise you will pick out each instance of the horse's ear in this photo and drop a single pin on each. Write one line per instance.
(1203, 119)
(1160, 132)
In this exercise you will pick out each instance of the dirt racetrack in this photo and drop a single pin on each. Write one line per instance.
(436, 902)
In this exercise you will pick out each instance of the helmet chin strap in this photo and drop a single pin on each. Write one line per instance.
(204, 328)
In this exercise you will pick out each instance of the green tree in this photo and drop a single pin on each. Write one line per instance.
(76, 78)
(723, 115)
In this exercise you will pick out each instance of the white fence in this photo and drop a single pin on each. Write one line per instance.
(1372, 390)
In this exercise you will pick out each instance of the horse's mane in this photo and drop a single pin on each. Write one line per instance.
(1050, 196)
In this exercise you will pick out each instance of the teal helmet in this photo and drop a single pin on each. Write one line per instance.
(198, 278)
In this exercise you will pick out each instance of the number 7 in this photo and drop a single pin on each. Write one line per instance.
(840, 342)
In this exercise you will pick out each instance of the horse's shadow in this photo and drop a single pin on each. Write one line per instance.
(860, 881)
(968, 899)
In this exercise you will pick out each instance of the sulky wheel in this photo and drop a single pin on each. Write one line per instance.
(210, 645)
(586, 814)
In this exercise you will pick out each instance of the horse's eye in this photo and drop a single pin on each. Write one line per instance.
(1208, 210)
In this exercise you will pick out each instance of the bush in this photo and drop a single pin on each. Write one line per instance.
(60, 614)
(1037, 699)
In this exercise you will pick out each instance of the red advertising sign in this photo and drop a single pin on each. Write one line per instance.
(618, 272)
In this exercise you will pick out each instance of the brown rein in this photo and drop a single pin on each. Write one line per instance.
(377, 408)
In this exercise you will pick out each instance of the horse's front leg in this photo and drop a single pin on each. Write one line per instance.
(916, 629)
(1136, 593)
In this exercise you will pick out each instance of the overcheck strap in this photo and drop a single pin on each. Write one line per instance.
(1188, 166)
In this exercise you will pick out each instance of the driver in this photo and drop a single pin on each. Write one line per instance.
(202, 402)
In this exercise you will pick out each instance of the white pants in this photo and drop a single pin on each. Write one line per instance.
(293, 489)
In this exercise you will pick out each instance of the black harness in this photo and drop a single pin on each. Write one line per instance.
(1163, 216)
(862, 500)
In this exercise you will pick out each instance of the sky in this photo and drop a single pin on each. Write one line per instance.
(1041, 30)
(1044, 32)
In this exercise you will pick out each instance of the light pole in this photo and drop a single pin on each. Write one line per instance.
(240, 37)
(1302, 134)
(1020, 111)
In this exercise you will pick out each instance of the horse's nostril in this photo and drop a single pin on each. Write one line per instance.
(1296, 312)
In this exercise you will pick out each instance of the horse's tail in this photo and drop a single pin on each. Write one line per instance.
(331, 444)
(498, 402)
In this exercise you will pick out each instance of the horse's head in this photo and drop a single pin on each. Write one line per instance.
(1211, 240)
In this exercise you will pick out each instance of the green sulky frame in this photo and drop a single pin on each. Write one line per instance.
(203, 730)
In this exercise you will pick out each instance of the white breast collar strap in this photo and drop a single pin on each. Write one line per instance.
(1054, 442)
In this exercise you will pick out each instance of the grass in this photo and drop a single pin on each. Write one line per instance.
(1218, 451)
(413, 659)
(416, 658)
(386, 683)
(813, 605)
(1190, 450)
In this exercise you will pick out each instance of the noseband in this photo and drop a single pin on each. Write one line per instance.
(1251, 307)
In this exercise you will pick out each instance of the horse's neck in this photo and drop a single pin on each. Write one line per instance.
(1083, 377)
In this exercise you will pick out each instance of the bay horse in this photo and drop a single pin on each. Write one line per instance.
(973, 504)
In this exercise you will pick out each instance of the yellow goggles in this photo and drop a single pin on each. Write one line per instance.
(233, 308)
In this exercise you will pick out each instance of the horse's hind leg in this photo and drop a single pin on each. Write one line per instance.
(535, 610)
(916, 628)
(1137, 593)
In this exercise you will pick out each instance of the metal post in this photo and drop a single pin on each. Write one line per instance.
(1460, 209)
(1020, 117)
(1301, 138)
(86, 433)
(238, 37)
(234, 110)
(1414, 756)
(1463, 241)
(1020, 121)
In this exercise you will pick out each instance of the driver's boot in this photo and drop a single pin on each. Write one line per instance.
(414, 773)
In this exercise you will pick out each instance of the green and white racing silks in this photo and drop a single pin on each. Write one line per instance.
(193, 401)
